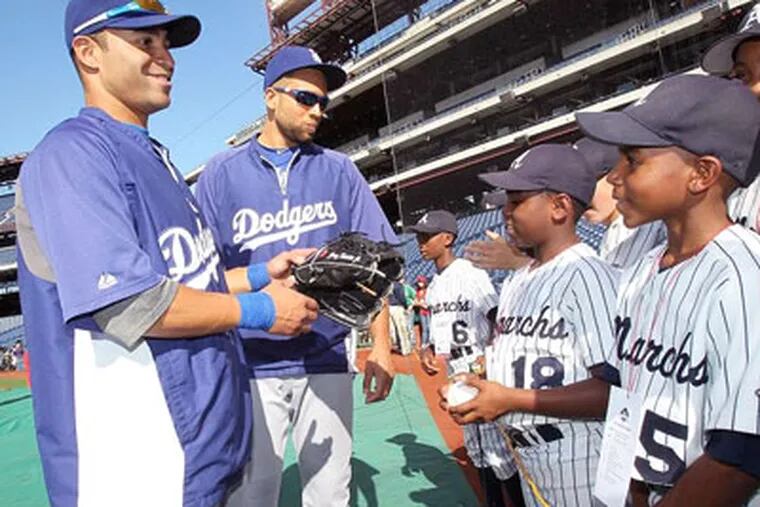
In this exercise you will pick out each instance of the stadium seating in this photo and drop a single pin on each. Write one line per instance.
(473, 228)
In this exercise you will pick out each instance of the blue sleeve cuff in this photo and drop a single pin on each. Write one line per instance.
(607, 373)
(258, 276)
(739, 450)
(256, 310)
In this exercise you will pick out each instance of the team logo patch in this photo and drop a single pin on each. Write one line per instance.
(106, 281)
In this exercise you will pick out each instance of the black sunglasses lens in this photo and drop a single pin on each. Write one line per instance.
(309, 99)
(306, 98)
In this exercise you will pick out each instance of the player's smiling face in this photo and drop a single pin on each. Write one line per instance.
(129, 72)
(527, 216)
(652, 184)
(296, 122)
(747, 65)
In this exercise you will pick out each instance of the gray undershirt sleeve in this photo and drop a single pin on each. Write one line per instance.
(127, 321)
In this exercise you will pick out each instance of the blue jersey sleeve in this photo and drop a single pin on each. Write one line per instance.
(82, 221)
(366, 214)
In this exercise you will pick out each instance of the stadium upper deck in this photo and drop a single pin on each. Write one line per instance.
(465, 85)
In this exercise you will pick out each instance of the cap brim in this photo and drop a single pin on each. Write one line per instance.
(182, 29)
(719, 58)
(617, 128)
(509, 181)
(423, 229)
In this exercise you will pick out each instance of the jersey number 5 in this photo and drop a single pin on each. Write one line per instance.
(546, 372)
(674, 466)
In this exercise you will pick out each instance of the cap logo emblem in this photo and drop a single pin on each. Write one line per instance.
(518, 162)
(424, 219)
(315, 56)
(753, 19)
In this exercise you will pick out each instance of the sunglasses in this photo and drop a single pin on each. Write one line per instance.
(136, 5)
(305, 98)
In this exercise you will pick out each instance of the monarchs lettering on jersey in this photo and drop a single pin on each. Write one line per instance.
(253, 230)
(671, 362)
(460, 305)
(540, 327)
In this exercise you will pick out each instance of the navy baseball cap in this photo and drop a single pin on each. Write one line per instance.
(291, 58)
(705, 115)
(719, 58)
(552, 167)
(601, 157)
(496, 198)
(436, 221)
(85, 17)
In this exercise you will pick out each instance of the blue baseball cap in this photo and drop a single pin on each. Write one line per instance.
(720, 57)
(291, 58)
(85, 17)
(601, 157)
(435, 221)
(550, 167)
(704, 115)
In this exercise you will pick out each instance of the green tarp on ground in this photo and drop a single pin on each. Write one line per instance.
(399, 459)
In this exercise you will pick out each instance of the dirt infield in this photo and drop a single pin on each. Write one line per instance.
(12, 380)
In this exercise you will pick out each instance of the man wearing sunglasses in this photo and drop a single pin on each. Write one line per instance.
(282, 191)
(139, 387)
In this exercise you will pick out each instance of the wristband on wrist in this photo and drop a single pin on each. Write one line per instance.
(258, 276)
(256, 310)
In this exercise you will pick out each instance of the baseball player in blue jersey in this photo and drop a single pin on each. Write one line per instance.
(139, 387)
(278, 192)
(687, 352)
(554, 327)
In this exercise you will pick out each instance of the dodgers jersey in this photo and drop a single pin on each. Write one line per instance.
(622, 246)
(103, 216)
(258, 210)
(459, 299)
(744, 204)
(554, 323)
(686, 340)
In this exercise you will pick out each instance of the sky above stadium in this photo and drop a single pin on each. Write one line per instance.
(214, 93)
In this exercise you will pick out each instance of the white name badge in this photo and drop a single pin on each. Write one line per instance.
(441, 335)
(621, 433)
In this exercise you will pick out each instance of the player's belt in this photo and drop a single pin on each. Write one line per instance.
(538, 435)
(461, 352)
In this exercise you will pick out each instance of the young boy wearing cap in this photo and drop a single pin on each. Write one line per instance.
(277, 192)
(462, 303)
(687, 320)
(621, 246)
(554, 328)
(140, 394)
(738, 56)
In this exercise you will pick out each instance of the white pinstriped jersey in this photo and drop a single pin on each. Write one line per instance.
(622, 247)
(743, 206)
(459, 299)
(554, 323)
(686, 340)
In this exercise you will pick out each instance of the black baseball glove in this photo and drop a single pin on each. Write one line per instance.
(349, 277)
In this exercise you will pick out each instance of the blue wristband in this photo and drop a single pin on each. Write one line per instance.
(256, 310)
(258, 276)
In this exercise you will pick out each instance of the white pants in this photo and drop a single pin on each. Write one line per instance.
(319, 410)
(400, 332)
